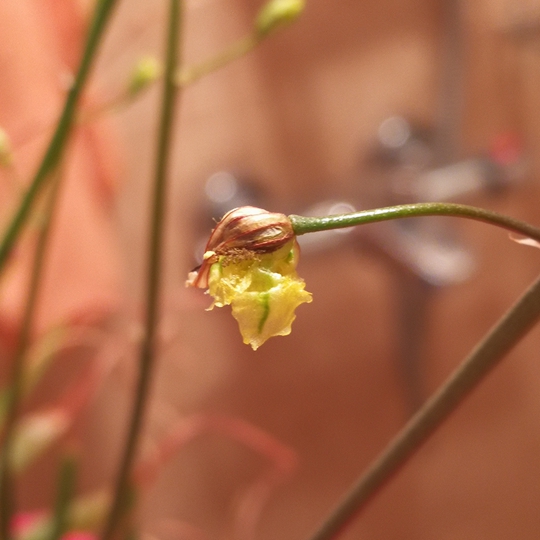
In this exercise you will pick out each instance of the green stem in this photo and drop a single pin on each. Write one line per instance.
(148, 346)
(66, 487)
(57, 145)
(486, 355)
(304, 225)
(15, 389)
(189, 75)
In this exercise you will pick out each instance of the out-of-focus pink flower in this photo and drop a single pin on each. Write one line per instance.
(79, 536)
(24, 522)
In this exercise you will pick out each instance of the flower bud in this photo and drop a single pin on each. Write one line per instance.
(277, 13)
(146, 71)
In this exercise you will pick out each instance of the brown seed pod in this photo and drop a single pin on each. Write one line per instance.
(247, 229)
(250, 228)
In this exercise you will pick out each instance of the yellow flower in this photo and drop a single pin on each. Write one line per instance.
(259, 282)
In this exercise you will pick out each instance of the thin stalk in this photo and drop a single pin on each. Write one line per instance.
(66, 488)
(303, 225)
(272, 17)
(7, 493)
(57, 145)
(148, 346)
(189, 75)
(487, 354)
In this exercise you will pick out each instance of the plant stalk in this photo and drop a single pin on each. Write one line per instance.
(56, 147)
(66, 488)
(238, 49)
(304, 225)
(15, 389)
(148, 346)
(485, 356)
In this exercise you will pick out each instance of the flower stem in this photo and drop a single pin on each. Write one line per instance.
(57, 144)
(15, 389)
(66, 485)
(239, 48)
(148, 346)
(304, 225)
(486, 355)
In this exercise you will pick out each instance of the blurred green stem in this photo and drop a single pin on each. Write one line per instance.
(189, 75)
(148, 346)
(57, 145)
(304, 225)
(273, 16)
(66, 488)
(486, 355)
(15, 387)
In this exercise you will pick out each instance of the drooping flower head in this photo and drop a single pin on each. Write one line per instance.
(250, 264)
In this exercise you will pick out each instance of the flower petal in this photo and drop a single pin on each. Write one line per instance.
(264, 314)
(263, 291)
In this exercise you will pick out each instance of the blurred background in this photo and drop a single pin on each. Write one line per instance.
(357, 105)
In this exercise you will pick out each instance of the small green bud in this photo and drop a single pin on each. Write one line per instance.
(6, 156)
(277, 13)
(146, 71)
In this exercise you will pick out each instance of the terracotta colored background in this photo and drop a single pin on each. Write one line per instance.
(298, 115)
